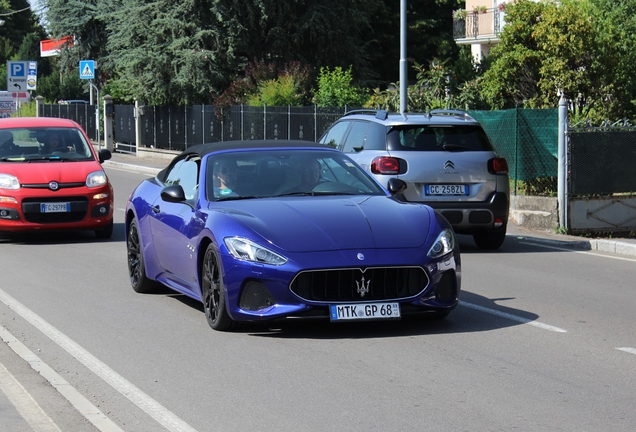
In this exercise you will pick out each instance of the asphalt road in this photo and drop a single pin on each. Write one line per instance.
(543, 340)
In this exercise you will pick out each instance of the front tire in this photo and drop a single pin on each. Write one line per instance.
(105, 232)
(136, 268)
(213, 293)
(490, 239)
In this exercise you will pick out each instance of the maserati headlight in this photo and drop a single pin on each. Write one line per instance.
(246, 250)
(444, 244)
(7, 181)
(97, 178)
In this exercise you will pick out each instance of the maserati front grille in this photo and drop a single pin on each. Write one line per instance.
(355, 284)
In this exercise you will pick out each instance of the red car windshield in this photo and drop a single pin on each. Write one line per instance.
(43, 144)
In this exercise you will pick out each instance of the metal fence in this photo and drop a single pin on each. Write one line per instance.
(601, 161)
(528, 139)
(84, 114)
(178, 127)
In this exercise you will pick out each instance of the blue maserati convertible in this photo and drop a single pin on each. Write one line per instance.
(265, 230)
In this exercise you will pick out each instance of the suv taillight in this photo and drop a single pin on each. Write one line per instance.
(498, 166)
(385, 165)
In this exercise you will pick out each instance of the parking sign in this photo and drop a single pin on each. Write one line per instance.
(16, 75)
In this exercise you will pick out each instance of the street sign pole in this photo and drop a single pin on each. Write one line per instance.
(87, 71)
(99, 141)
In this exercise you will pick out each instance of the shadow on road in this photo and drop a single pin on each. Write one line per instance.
(61, 237)
(463, 319)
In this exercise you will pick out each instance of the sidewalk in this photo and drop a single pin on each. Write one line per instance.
(620, 246)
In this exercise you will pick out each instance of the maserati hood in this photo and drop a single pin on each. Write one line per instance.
(302, 224)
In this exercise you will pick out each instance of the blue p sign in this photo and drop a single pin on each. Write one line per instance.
(17, 70)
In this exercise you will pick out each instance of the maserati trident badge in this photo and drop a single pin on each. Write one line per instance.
(362, 287)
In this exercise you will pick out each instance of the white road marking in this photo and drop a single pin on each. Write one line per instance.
(579, 251)
(627, 350)
(146, 403)
(25, 404)
(513, 317)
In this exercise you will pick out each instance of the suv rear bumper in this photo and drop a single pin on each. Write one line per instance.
(468, 217)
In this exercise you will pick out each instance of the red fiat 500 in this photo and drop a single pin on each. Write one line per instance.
(51, 178)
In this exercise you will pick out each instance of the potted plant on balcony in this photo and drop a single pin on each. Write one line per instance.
(460, 14)
(480, 9)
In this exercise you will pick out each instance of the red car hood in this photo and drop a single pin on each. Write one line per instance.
(44, 172)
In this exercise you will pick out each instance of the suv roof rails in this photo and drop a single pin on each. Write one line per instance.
(451, 112)
(379, 114)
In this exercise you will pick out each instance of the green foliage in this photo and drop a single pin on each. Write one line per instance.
(284, 90)
(72, 87)
(433, 89)
(15, 28)
(87, 21)
(26, 110)
(49, 88)
(585, 49)
(335, 89)
(30, 50)
(264, 83)
(539, 186)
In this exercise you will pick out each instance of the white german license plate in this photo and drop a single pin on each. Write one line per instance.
(364, 311)
(446, 189)
(55, 207)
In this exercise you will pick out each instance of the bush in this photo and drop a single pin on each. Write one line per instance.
(335, 89)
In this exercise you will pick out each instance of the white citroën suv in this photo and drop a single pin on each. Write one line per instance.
(445, 158)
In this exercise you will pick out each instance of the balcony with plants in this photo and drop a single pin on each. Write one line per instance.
(479, 23)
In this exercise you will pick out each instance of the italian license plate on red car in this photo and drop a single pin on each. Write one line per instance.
(446, 189)
(364, 311)
(55, 207)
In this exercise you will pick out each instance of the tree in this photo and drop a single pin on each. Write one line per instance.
(16, 26)
(335, 89)
(86, 20)
(552, 47)
(429, 36)
(616, 28)
(175, 52)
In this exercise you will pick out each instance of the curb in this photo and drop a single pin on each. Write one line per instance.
(131, 167)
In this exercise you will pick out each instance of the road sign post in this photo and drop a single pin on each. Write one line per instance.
(16, 76)
(87, 71)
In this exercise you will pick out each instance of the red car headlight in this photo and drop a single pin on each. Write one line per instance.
(7, 181)
(96, 179)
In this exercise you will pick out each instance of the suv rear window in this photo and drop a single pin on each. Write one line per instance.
(438, 138)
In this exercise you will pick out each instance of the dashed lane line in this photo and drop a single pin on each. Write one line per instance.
(513, 317)
(24, 403)
(154, 409)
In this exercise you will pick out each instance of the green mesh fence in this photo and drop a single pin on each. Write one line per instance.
(528, 139)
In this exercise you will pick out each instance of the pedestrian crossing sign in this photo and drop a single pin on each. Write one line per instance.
(87, 69)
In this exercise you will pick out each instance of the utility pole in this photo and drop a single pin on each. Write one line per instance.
(403, 64)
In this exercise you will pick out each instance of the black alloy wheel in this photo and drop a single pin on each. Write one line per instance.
(136, 269)
(214, 294)
(490, 240)
(105, 232)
